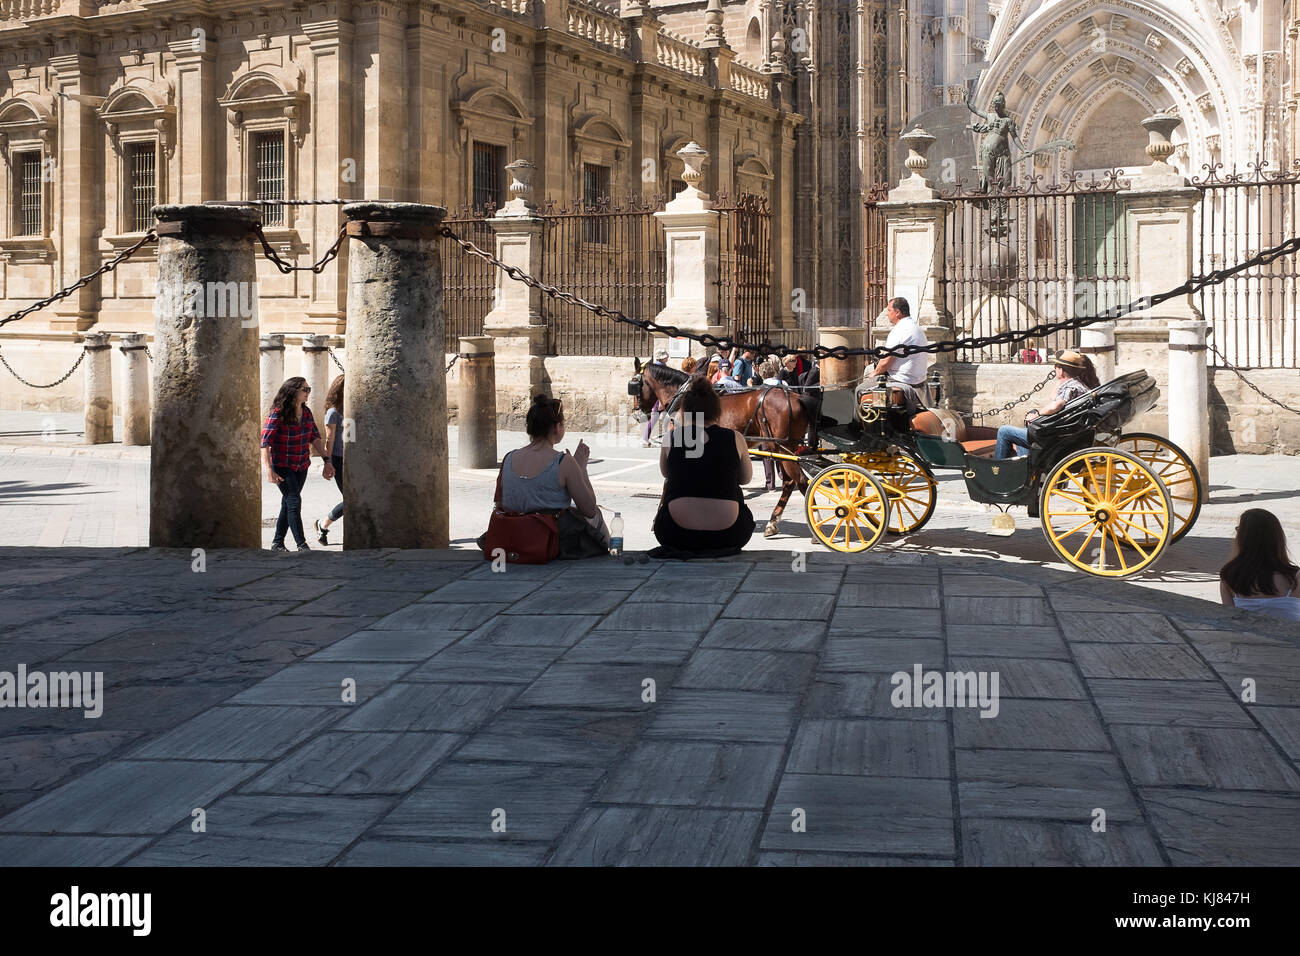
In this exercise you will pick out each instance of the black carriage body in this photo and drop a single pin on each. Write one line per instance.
(1098, 415)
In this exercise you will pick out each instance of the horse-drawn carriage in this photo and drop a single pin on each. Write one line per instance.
(1109, 503)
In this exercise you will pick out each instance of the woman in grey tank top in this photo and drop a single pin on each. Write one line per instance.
(537, 477)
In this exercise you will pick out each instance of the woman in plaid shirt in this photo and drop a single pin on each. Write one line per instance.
(288, 439)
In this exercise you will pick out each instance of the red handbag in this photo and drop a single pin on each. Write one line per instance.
(523, 538)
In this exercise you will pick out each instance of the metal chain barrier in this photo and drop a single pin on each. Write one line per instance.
(66, 375)
(980, 416)
(89, 277)
(286, 267)
(451, 363)
(335, 359)
(1248, 383)
(1190, 287)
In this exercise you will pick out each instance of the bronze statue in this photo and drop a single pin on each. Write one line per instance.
(999, 130)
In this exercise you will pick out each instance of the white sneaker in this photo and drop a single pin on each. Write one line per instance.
(645, 444)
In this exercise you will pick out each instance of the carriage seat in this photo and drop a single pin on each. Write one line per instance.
(974, 439)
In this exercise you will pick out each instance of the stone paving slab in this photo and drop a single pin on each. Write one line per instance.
(772, 736)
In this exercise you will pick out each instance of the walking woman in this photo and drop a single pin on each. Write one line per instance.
(1260, 575)
(334, 442)
(288, 439)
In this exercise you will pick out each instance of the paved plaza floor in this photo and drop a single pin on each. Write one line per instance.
(733, 712)
(362, 708)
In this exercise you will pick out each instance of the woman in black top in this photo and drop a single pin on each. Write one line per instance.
(703, 465)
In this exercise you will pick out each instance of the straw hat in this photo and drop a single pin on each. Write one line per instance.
(1070, 359)
(661, 353)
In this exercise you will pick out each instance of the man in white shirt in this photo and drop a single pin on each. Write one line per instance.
(906, 374)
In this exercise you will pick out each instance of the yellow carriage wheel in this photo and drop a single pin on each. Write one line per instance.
(1175, 471)
(912, 490)
(848, 509)
(1106, 512)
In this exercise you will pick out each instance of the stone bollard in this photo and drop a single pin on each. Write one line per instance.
(316, 370)
(835, 372)
(271, 349)
(395, 483)
(1189, 393)
(204, 480)
(99, 389)
(478, 402)
(135, 389)
(1098, 343)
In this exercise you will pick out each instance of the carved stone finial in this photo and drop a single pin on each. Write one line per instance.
(521, 189)
(713, 17)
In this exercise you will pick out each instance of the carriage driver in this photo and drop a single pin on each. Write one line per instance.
(907, 374)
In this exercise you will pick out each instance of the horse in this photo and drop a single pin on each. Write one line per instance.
(772, 413)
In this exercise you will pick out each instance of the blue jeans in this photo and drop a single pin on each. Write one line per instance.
(290, 518)
(1010, 436)
(337, 511)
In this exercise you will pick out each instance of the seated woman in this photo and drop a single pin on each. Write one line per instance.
(702, 508)
(1075, 376)
(539, 478)
(1260, 575)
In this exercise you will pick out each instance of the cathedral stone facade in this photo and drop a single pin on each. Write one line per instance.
(110, 106)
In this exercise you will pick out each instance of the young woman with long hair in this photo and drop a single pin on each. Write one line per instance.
(704, 465)
(289, 436)
(334, 442)
(1075, 376)
(1260, 575)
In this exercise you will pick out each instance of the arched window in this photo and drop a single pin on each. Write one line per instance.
(27, 147)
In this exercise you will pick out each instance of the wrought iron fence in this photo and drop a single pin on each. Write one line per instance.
(1041, 253)
(1253, 314)
(745, 264)
(468, 283)
(875, 278)
(611, 252)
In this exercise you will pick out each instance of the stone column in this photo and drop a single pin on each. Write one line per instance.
(915, 226)
(1189, 393)
(99, 389)
(72, 206)
(316, 370)
(478, 402)
(842, 371)
(135, 389)
(1161, 209)
(395, 482)
(204, 478)
(690, 226)
(516, 321)
(271, 350)
(1098, 343)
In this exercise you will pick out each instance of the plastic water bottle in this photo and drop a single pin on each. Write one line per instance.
(616, 535)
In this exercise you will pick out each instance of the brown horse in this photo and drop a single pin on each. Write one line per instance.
(772, 413)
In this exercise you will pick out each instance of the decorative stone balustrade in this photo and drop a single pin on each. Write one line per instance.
(750, 80)
(596, 24)
(29, 9)
(680, 55)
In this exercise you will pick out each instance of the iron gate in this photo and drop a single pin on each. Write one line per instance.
(1035, 255)
(1253, 314)
(745, 265)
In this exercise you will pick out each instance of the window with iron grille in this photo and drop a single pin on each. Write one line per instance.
(28, 200)
(595, 187)
(674, 187)
(268, 156)
(489, 175)
(141, 175)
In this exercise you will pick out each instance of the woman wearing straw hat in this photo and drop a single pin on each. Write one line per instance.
(661, 358)
(1075, 376)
